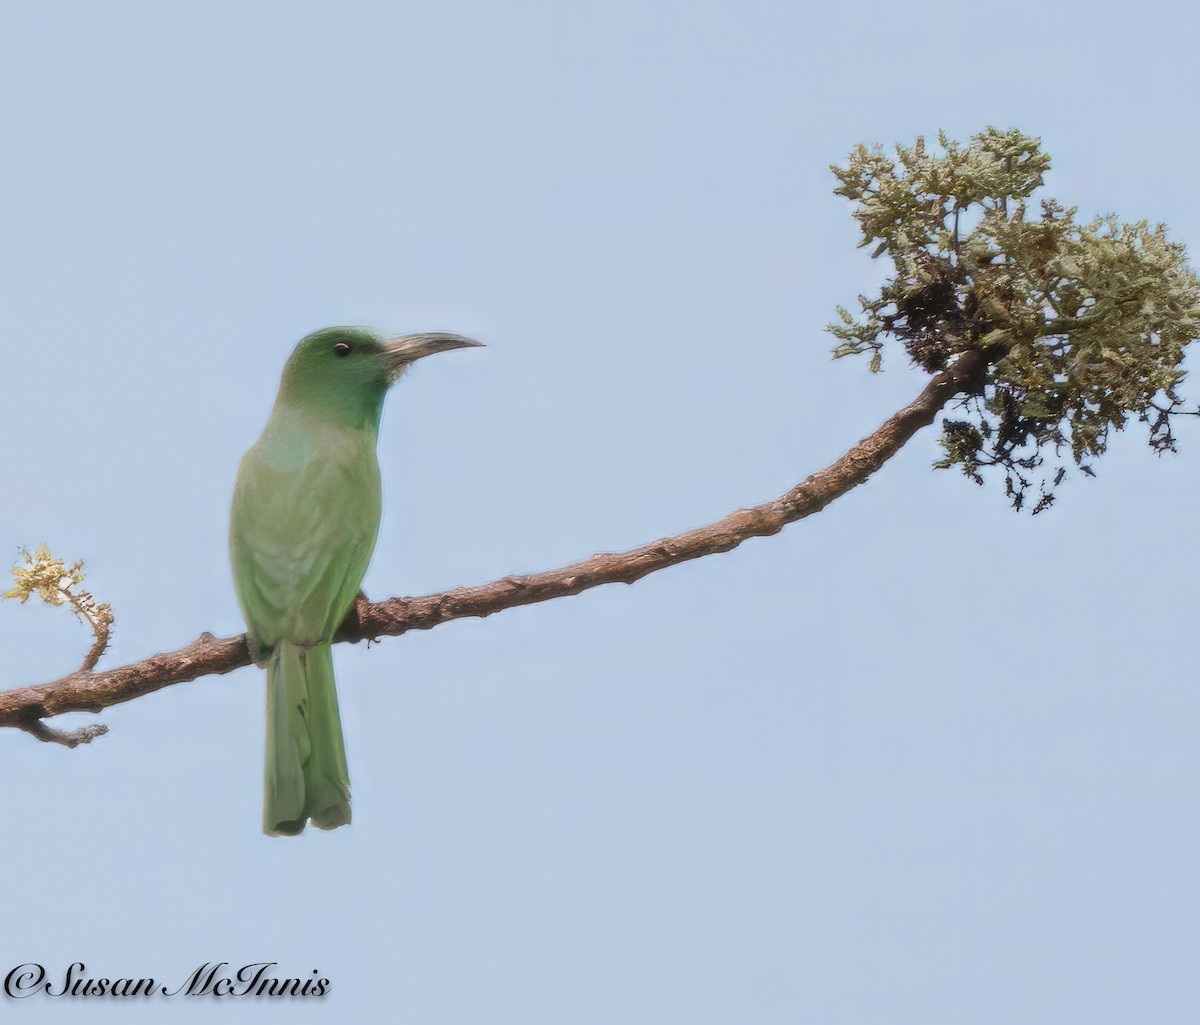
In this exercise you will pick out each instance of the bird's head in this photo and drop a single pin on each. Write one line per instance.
(346, 371)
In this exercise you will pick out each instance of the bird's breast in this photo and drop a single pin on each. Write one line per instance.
(305, 519)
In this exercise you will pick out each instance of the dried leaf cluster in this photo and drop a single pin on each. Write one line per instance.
(56, 583)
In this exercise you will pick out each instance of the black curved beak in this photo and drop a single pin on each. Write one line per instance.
(402, 351)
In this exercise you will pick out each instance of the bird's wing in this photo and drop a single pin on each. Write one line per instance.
(301, 537)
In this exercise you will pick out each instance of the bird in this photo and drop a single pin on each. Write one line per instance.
(305, 518)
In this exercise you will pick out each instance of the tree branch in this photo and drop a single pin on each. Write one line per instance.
(85, 691)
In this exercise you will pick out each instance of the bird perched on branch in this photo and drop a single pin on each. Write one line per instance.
(305, 518)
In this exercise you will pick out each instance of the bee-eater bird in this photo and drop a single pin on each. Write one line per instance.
(305, 518)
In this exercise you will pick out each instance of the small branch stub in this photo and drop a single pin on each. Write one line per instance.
(68, 738)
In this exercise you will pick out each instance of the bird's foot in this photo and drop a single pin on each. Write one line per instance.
(351, 628)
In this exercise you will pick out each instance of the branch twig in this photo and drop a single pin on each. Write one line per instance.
(68, 738)
(85, 691)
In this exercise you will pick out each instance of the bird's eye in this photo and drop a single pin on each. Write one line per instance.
(342, 349)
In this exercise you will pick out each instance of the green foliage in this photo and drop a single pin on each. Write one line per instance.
(1084, 324)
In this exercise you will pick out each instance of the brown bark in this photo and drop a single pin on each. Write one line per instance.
(84, 691)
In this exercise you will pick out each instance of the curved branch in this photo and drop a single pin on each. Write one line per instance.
(82, 691)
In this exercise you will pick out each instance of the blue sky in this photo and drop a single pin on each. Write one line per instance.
(917, 759)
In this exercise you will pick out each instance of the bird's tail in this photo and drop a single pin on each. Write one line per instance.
(306, 775)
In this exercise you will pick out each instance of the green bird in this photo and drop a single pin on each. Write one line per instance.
(305, 519)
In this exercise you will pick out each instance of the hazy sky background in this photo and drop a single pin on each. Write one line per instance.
(917, 759)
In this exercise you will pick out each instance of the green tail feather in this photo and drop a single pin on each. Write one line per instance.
(306, 775)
